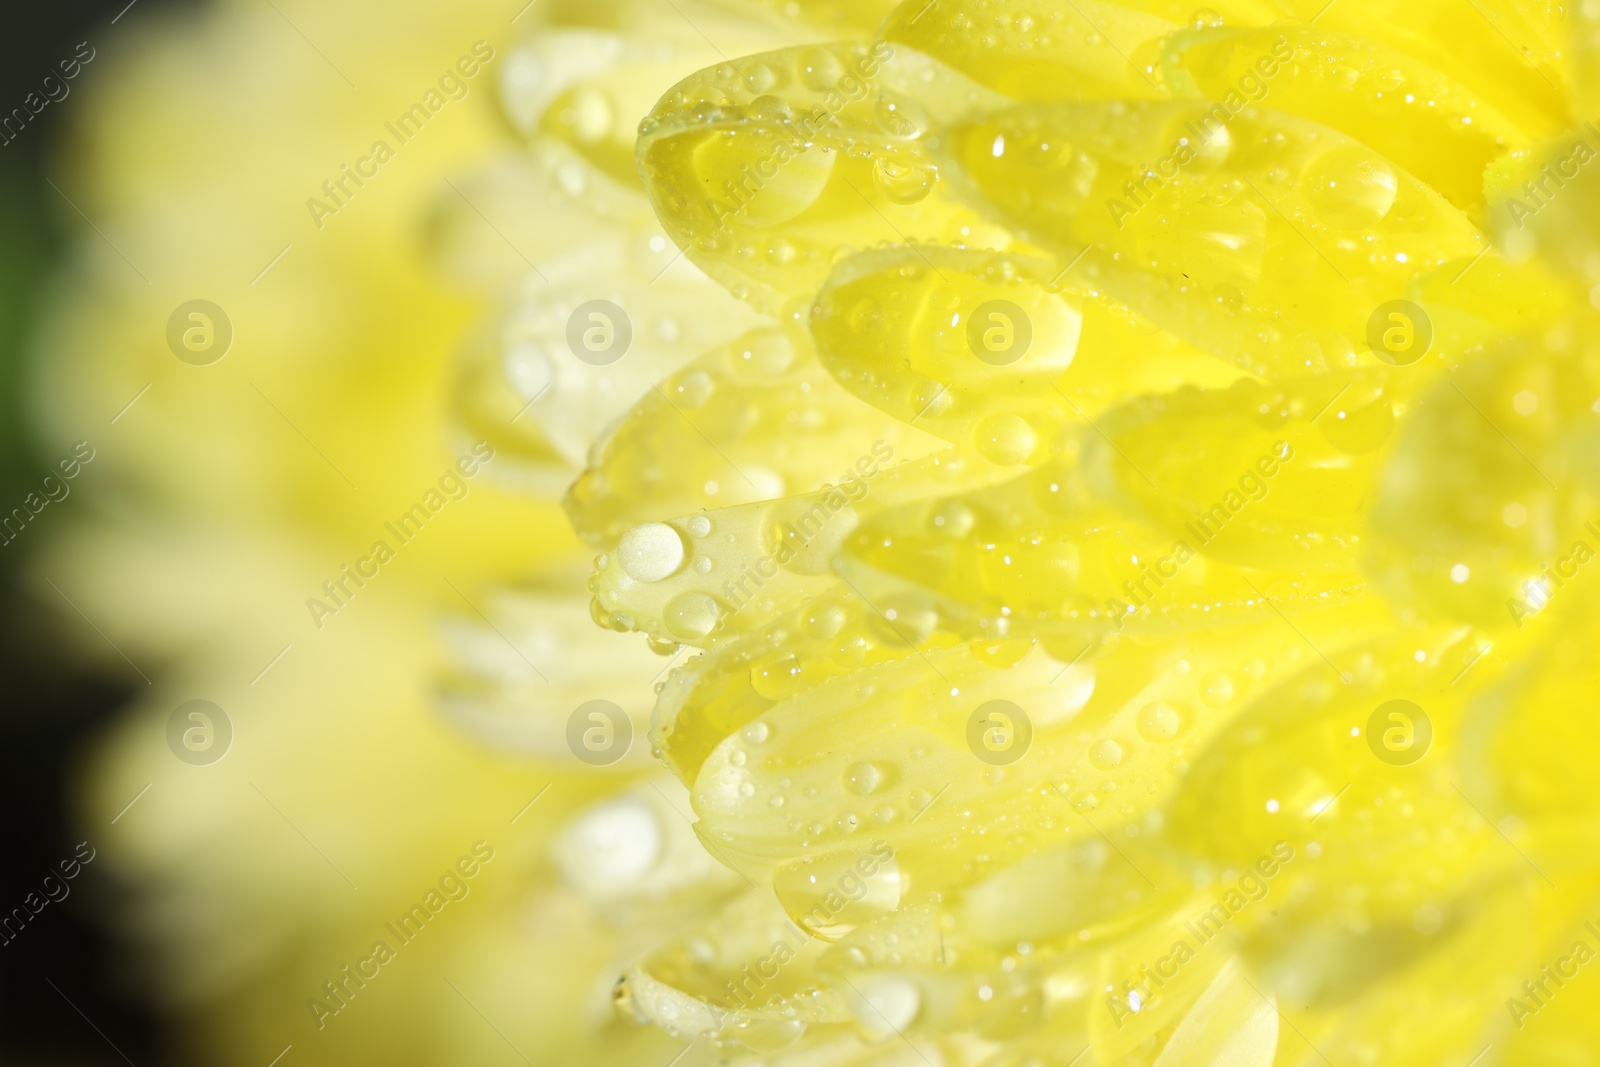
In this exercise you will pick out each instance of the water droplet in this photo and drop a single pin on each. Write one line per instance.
(1106, 754)
(762, 354)
(777, 678)
(900, 116)
(1213, 149)
(1216, 689)
(885, 1004)
(823, 620)
(1159, 721)
(820, 68)
(831, 895)
(1350, 187)
(761, 78)
(863, 778)
(651, 552)
(930, 398)
(904, 182)
(794, 188)
(690, 616)
(694, 389)
(1005, 439)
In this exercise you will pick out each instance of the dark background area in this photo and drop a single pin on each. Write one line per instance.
(50, 707)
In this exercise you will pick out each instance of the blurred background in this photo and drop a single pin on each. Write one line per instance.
(227, 892)
(54, 703)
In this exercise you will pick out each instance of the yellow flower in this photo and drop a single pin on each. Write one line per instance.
(1209, 693)
(1128, 472)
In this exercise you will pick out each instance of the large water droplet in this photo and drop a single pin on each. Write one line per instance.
(651, 552)
(1106, 755)
(693, 389)
(762, 354)
(760, 77)
(820, 68)
(1159, 721)
(900, 116)
(823, 620)
(930, 398)
(904, 182)
(1216, 689)
(863, 778)
(1004, 438)
(885, 1004)
(690, 616)
(776, 678)
(1350, 187)
(832, 895)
